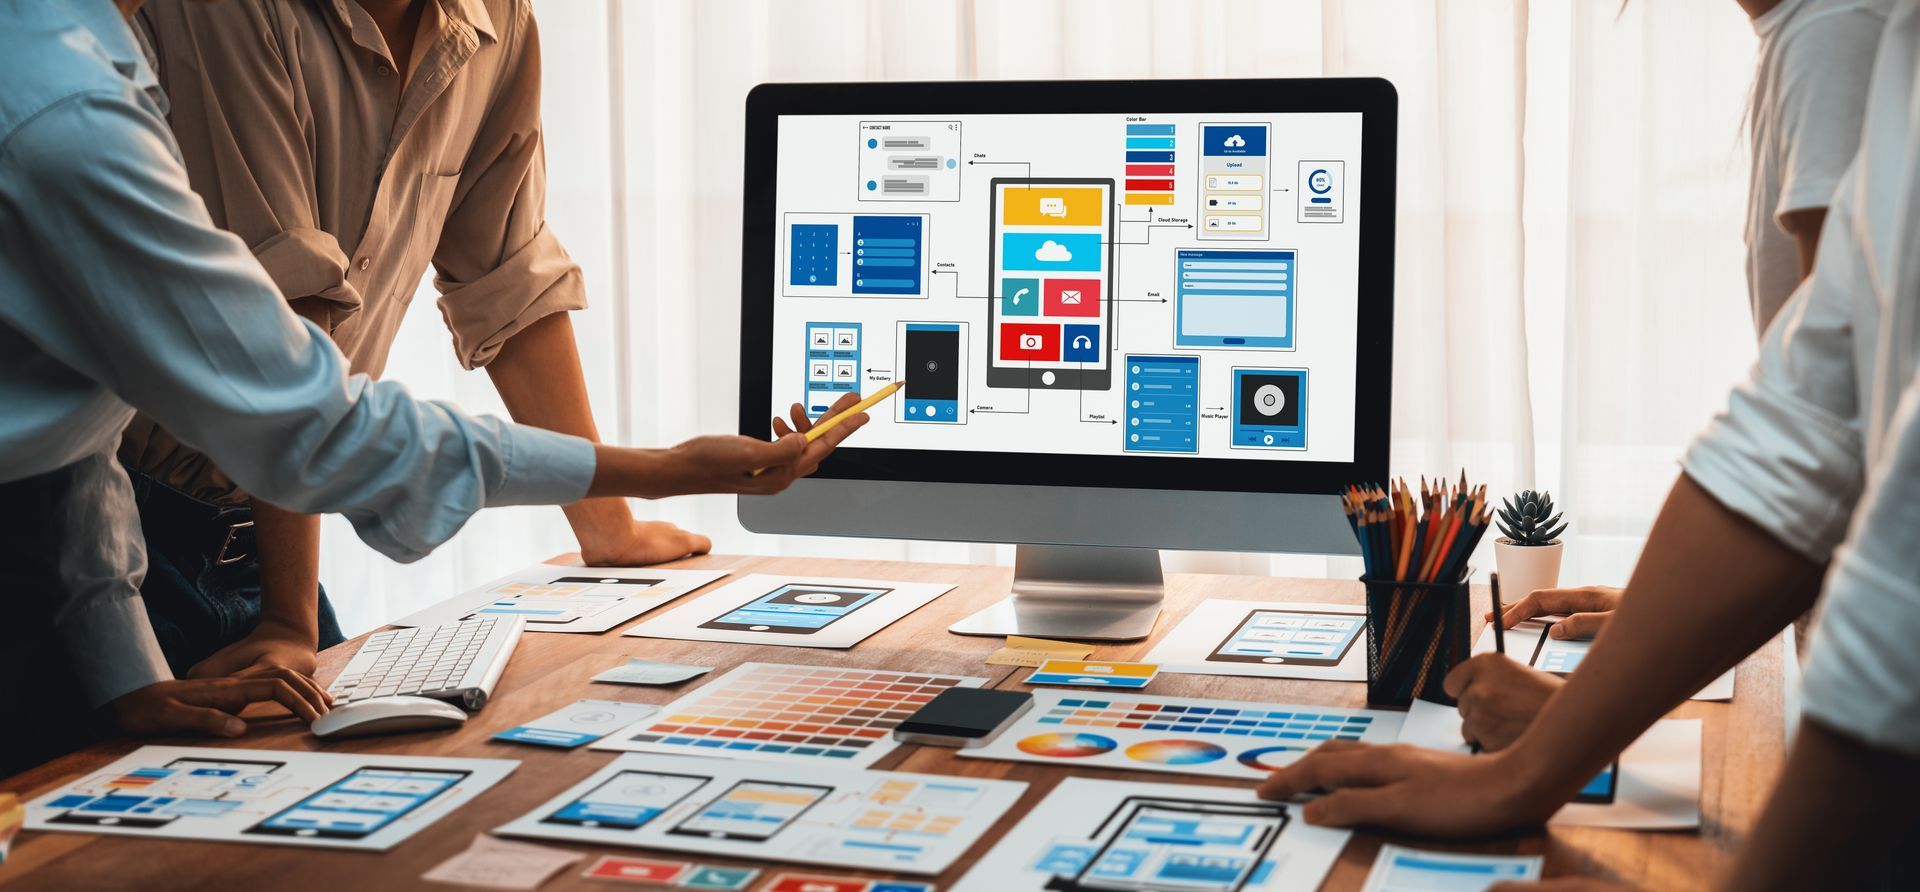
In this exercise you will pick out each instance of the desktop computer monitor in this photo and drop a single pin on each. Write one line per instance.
(1130, 315)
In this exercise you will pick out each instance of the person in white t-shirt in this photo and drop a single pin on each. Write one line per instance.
(1807, 485)
(1809, 92)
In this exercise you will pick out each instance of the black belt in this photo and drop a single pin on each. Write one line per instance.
(176, 520)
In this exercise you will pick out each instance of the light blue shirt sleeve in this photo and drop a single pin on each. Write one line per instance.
(175, 317)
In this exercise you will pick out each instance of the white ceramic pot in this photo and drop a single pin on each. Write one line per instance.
(1525, 568)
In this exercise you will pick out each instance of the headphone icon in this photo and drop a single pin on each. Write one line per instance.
(1082, 342)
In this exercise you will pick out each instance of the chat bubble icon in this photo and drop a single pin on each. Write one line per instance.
(1053, 207)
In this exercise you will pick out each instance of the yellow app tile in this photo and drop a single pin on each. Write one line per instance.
(1044, 205)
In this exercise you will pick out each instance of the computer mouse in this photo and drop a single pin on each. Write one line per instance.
(388, 715)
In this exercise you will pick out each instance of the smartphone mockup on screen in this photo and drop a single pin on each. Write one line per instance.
(627, 801)
(752, 811)
(360, 804)
(931, 357)
(1292, 637)
(1601, 789)
(795, 609)
(1050, 258)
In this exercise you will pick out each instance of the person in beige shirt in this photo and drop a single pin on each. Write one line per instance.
(349, 143)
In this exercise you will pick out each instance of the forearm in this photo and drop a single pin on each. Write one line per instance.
(1709, 589)
(1839, 808)
(538, 375)
(289, 548)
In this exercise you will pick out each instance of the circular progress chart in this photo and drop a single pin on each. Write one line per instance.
(1173, 734)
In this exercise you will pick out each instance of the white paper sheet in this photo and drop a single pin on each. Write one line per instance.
(561, 598)
(1528, 643)
(328, 800)
(1401, 869)
(1069, 832)
(793, 611)
(776, 712)
(1228, 637)
(649, 672)
(1137, 732)
(828, 814)
(1658, 787)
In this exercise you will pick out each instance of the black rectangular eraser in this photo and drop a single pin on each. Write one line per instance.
(966, 712)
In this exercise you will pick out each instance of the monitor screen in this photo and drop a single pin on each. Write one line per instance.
(1097, 291)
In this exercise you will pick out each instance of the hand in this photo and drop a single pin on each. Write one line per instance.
(620, 540)
(728, 464)
(802, 424)
(1410, 789)
(1498, 698)
(269, 646)
(1587, 609)
(211, 706)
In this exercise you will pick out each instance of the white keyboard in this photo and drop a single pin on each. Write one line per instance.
(459, 661)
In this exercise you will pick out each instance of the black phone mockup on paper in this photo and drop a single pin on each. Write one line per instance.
(1291, 637)
(752, 811)
(795, 609)
(963, 717)
(360, 804)
(628, 800)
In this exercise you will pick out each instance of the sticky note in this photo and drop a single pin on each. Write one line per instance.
(500, 864)
(637, 671)
(578, 722)
(1023, 651)
(1095, 673)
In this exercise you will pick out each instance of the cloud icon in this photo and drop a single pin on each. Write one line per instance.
(1051, 251)
(1236, 141)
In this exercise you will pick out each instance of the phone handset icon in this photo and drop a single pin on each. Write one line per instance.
(1020, 294)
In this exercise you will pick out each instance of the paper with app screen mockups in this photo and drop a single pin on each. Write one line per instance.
(792, 611)
(561, 598)
(367, 801)
(1158, 836)
(1267, 639)
(1529, 643)
(831, 815)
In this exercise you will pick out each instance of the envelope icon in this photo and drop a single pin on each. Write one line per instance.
(1069, 297)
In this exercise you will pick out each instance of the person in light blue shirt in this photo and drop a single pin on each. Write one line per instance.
(117, 292)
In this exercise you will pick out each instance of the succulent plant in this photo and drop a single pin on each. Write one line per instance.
(1528, 519)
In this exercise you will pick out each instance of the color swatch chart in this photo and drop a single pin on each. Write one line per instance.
(784, 713)
(1223, 738)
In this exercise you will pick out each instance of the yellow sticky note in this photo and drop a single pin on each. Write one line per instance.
(1023, 651)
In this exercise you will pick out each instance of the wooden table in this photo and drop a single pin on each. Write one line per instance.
(1742, 752)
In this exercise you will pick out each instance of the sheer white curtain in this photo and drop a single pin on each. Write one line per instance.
(1570, 303)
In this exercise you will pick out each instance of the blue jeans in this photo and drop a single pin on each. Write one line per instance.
(203, 576)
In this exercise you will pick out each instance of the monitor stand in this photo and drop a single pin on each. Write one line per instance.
(1083, 592)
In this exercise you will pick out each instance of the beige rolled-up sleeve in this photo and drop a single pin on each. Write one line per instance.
(498, 267)
(244, 128)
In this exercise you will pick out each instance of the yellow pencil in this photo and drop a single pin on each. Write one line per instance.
(813, 433)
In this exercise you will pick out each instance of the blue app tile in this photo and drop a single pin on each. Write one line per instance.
(1019, 297)
(1080, 343)
(1051, 251)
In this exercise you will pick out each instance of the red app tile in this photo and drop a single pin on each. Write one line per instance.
(1071, 297)
(614, 867)
(800, 882)
(1149, 170)
(1022, 343)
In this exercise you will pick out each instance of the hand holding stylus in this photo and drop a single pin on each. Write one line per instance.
(723, 464)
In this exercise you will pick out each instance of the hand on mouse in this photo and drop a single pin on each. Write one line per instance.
(211, 706)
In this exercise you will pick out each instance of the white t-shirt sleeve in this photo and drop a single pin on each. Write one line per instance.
(1786, 451)
(1863, 677)
(1824, 67)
